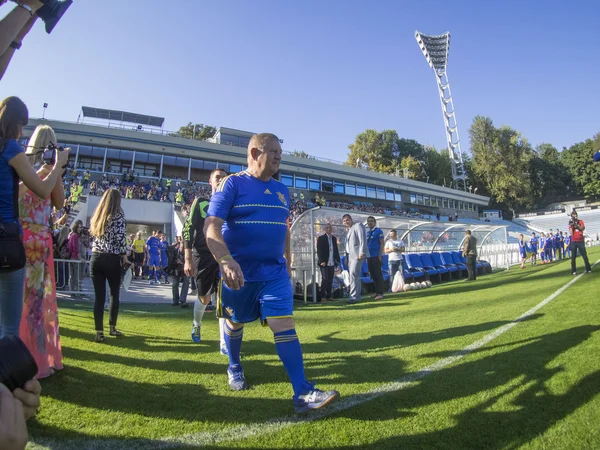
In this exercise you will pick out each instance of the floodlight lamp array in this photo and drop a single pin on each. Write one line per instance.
(435, 49)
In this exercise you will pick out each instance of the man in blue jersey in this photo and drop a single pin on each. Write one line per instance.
(534, 247)
(247, 234)
(549, 247)
(153, 257)
(164, 261)
(542, 242)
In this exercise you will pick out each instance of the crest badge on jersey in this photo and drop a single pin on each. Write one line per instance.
(229, 311)
(282, 198)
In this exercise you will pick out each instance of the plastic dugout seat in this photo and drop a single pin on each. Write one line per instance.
(344, 263)
(478, 265)
(456, 257)
(385, 268)
(414, 266)
(428, 262)
(449, 261)
(416, 262)
(451, 268)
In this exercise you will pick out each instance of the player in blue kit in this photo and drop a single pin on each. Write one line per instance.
(246, 231)
(534, 241)
(164, 260)
(153, 257)
(549, 248)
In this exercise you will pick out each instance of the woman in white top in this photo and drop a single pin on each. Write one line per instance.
(394, 248)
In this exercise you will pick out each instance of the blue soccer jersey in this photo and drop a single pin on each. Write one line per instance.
(255, 228)
(373, 241)
(153, 244)
(163, 245)
(534, 243)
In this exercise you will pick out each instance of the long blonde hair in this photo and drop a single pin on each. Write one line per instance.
(109, 207)
(39, 140)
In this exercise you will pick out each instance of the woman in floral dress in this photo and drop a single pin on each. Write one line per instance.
(39, 323)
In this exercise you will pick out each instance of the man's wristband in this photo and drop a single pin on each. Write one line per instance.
(26, 8)
(224, 258)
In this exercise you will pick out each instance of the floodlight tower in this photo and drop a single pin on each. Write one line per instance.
(435, 49)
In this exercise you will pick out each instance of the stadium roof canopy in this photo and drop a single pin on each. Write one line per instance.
(122, 116)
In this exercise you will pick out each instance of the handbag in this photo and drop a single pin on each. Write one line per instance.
(12, 251)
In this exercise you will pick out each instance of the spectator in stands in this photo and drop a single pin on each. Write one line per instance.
(328, 257)
(394, 248)
(39, 322)
(356, 252)
(375, 242)
(14, 166)
(109, 254)
(576, 229)
(470, 252)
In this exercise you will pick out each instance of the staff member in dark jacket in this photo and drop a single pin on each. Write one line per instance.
(109, 253)
(470, 252)
(329, 257)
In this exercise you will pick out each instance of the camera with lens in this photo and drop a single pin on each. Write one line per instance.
(85, 231)
(49, 155)
(17, 366)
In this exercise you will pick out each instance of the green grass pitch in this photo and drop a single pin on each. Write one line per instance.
(535, 386)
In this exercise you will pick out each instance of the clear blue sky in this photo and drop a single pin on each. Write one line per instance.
(317, 73)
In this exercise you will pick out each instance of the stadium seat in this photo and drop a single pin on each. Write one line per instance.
(461, 258)
(448, 260)
(427, 261)
(416, 262)
(438, 263)
(415, 267)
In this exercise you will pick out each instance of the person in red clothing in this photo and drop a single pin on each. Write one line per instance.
(576, 229)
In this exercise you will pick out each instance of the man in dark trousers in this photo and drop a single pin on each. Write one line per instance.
(576, 229)
(329, 257)
(470, 252)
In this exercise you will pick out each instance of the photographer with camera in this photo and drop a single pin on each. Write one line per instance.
(39, 323)
(576, 229)
(14, 166)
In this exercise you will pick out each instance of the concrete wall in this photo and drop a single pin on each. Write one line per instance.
(140, 211)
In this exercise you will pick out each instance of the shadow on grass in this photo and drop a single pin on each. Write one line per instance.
(532, 407)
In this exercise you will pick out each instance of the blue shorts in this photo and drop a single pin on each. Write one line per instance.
(164, 260)
(272, 299)
(154, 261)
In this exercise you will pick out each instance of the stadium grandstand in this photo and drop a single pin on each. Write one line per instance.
(130, 151)
(559, 220)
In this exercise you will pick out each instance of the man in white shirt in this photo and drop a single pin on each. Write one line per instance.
(394, 248)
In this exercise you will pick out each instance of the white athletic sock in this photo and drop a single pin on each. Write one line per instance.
(199, 309)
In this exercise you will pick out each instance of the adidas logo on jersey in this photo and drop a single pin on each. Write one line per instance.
(267, 191)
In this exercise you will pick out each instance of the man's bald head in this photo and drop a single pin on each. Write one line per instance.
(261, 140)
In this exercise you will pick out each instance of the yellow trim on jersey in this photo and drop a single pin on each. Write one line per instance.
(220, 299)
(259, 204)
(222, 182)
(264, 222)
(264, 322)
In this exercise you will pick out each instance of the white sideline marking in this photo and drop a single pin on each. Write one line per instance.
(274, 425)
